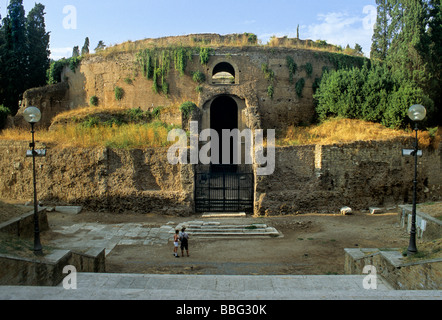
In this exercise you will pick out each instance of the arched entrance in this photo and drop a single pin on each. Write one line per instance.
(225, 187)
(224, 115)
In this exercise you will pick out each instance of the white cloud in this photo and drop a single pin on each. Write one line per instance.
(58, 53)
(249, 22)
(339, 28)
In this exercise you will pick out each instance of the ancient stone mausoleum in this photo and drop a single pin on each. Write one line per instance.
(234, 87)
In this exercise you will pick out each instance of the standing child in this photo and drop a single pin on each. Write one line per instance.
(176, 238)
(184, 242)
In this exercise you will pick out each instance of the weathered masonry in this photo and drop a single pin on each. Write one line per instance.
(267, 87)
(234, 87)
(307, 179)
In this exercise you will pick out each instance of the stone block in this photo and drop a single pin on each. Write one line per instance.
(374, 210)
(69, 209)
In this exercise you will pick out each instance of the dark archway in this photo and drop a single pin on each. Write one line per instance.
(223, 73)
(224, 115)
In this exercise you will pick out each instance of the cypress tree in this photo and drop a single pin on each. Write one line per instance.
(15, 55)
(381, 36)
(85, 49)
(38, 46)
(24, 53)
(435, 35)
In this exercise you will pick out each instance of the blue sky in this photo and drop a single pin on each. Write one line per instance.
(71, 21)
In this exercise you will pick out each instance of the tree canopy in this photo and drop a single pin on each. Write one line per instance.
(405, 68)
(24, 53)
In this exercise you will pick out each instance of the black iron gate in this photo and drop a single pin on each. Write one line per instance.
(224, 192)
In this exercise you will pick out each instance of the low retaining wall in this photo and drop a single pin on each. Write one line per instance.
(427, 227)
(99, 179)
(390, 265)
(23, 226)
(363, 174)
(48, 270)
(311, 178)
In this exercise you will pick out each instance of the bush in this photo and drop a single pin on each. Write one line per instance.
(292, 68)
(187, 108)
(4, 112)
(90, 122)
(370, 94)
(53, 74)
(156, 113)
(309, 69)
(119, 93)
(270, 91)
(299, 87)
(93, 101)
(400, 100)
(198, 77)
(205, 55)
(138, 115)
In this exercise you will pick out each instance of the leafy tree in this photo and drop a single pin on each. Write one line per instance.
(405, 69)
(100, 46)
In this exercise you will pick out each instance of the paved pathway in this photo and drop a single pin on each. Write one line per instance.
(166, 287)
(95, 235)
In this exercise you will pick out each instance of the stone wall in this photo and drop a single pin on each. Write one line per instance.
(390, 265)
(51, 100)
(100, 179)
(98, 75)
(48, 270)
(359, 175)
(306, 178)
(23, 226)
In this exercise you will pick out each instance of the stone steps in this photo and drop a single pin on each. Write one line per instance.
(165, 287)
(207, 230)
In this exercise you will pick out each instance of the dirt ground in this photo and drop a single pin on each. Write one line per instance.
(312, 244)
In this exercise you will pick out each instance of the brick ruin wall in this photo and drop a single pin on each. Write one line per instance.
(324, 178)
(306, 179)
(98, 75)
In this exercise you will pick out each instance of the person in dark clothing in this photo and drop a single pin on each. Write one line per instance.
(184, 237)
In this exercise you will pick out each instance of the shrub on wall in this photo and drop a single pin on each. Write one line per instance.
(4, 112)
(309, 69)
(93, 101)
(205, 55)
(198, 77)
(292, 68)
(299, 87)
(119, 93)
(269, 74)
(187, 108)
